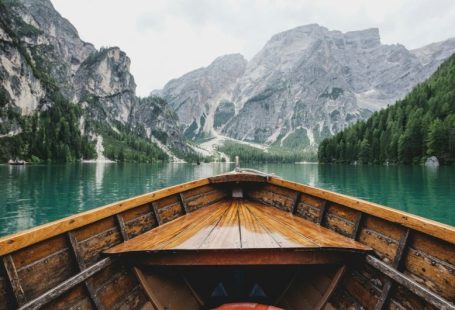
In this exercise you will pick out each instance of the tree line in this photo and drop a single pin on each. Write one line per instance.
(272, 155)
(419, 126)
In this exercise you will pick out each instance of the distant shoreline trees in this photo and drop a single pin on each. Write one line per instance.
(419, 126)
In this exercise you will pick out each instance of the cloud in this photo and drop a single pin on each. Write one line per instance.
(166, 39)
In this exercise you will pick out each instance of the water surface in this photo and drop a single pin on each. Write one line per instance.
(37, 194)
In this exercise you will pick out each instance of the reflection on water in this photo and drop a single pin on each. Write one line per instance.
(33, 195)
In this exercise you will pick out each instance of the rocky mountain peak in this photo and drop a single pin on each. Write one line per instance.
(105, 73)
(306, 83)
(43, 60)
(197, 94)
(368, 38)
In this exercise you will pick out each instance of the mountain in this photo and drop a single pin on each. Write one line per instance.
(59, 95)
(420, 125)
(198, 96)
(305, 84)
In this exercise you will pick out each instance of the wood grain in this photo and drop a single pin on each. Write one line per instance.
(436, 229)
(237, 224)
(24, 238)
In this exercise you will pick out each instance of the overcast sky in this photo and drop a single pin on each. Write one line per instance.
(167, 38)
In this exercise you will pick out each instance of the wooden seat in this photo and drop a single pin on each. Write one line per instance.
(239, 231)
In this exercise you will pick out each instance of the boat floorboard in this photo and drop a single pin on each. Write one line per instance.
(236, 224)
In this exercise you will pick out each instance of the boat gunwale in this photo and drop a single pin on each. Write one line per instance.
(17, 241)
(427, 226)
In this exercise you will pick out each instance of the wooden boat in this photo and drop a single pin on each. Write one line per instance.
(17, 162)
(241, 237)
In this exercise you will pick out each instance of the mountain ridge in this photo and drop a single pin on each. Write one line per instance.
(306, 83)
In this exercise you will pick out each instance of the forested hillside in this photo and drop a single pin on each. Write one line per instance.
(272, 155)
(59, 95)
(420, 125)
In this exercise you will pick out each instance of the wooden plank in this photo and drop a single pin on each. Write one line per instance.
(116, 289)
(296, 202)
(308, 212)
(47, 272)
(22, 239)
(155, 212)
(338, 224)
(170, 212)
(75, 298)
(30, 255)
(331, 289)
(135, 270)
(410, 284)
(195, 236)
(75, 249)
(198, 192)
(272, 198)
(252, 233)
(395, 264)
(81, 264)
(173, 234)
(13, 279)
(206, 199)
(391, 230)
(226, 233)
(322, 212)
(356, 230)
(238, 177)
(401, 248)
(385, 295)
(92, 248)
(383, 246)
(141, 224)
(121, 224)
(433, 228)
(135, 299)
(435, 274)
(238, 257)
(220, 226)
(170, 290)
(134, 213)
(66, 285)
(436, 248)
(183, 203)
(149, 292)
(360, 289)
(404, 299)
(293, 226)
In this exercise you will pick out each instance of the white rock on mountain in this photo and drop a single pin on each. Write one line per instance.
(305, 84)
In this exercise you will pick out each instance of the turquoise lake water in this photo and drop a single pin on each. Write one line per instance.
(37, 194)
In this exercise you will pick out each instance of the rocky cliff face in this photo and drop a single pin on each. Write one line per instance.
(308, 83)
(41, 54)
(196, 95)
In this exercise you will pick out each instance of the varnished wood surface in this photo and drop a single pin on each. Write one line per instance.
(430, 227)
(243, 257)
(38, 260)
(28, 237)
(238, 224)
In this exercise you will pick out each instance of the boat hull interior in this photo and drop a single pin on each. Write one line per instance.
(234, 238)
